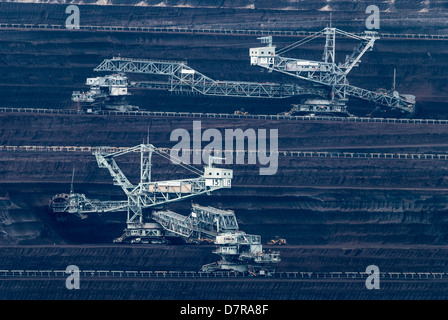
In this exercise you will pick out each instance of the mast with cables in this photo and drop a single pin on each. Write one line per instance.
(328, 72)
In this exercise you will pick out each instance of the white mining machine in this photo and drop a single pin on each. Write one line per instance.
(239, 251)
(145, 194)
(107, 92)
(329, 73)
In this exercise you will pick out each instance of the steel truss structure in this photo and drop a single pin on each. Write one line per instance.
(202, 223)
(328, 72)
(183, 78)
(238, 251)
(146, 193)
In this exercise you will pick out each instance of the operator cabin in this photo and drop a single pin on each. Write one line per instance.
(218, 177)
(263, 55)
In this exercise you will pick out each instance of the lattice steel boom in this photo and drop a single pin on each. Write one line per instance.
(203, 222)
(183, 78)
